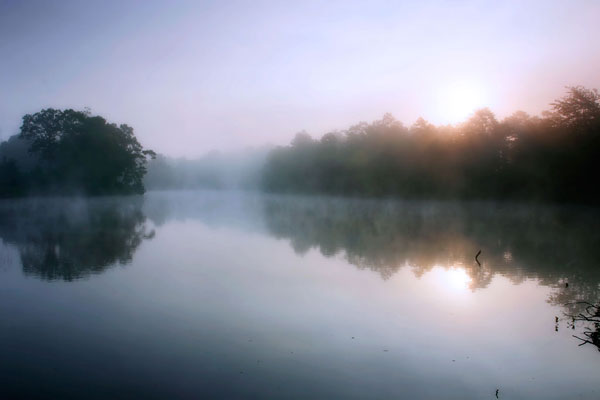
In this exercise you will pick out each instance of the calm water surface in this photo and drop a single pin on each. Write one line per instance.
(230, 295)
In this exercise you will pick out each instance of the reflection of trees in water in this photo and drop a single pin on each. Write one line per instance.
(556, 246)
(66, 239)
(553, 245)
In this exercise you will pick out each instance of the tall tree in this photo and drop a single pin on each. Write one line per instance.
(81, 152)
(579, 109)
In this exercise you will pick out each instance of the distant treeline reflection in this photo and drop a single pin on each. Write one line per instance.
(60, 239)
(553, 245)
(68, 240)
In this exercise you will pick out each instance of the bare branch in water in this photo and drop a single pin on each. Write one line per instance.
(591, 317)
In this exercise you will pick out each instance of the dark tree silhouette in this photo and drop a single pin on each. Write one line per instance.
(522, 157)
(580, 109)
(75, 152)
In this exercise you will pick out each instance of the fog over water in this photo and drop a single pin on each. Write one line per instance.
(236, 295)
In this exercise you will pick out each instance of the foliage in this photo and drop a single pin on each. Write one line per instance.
(76, 152)
(521, 157)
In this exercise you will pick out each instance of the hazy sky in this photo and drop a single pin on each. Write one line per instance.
(195, 76)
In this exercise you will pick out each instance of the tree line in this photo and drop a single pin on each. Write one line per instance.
(548, 158)
(542, 158)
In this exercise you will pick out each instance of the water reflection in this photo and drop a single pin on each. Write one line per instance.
(555, 246)
(60, 239)
(292, 297)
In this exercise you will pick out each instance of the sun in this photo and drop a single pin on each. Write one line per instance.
(459, 100)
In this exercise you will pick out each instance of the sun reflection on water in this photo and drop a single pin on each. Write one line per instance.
(453, 278)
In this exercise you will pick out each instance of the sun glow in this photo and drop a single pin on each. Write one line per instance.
(457, 101)
(453, 279)
(457, 278)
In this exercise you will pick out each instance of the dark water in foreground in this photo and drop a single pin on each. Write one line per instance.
(228, 295)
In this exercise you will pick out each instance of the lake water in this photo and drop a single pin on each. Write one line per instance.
(247, 296)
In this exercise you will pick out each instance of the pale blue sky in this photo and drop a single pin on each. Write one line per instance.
(196, 76)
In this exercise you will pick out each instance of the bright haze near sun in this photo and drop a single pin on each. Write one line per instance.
(457, 100)
(195, 76)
